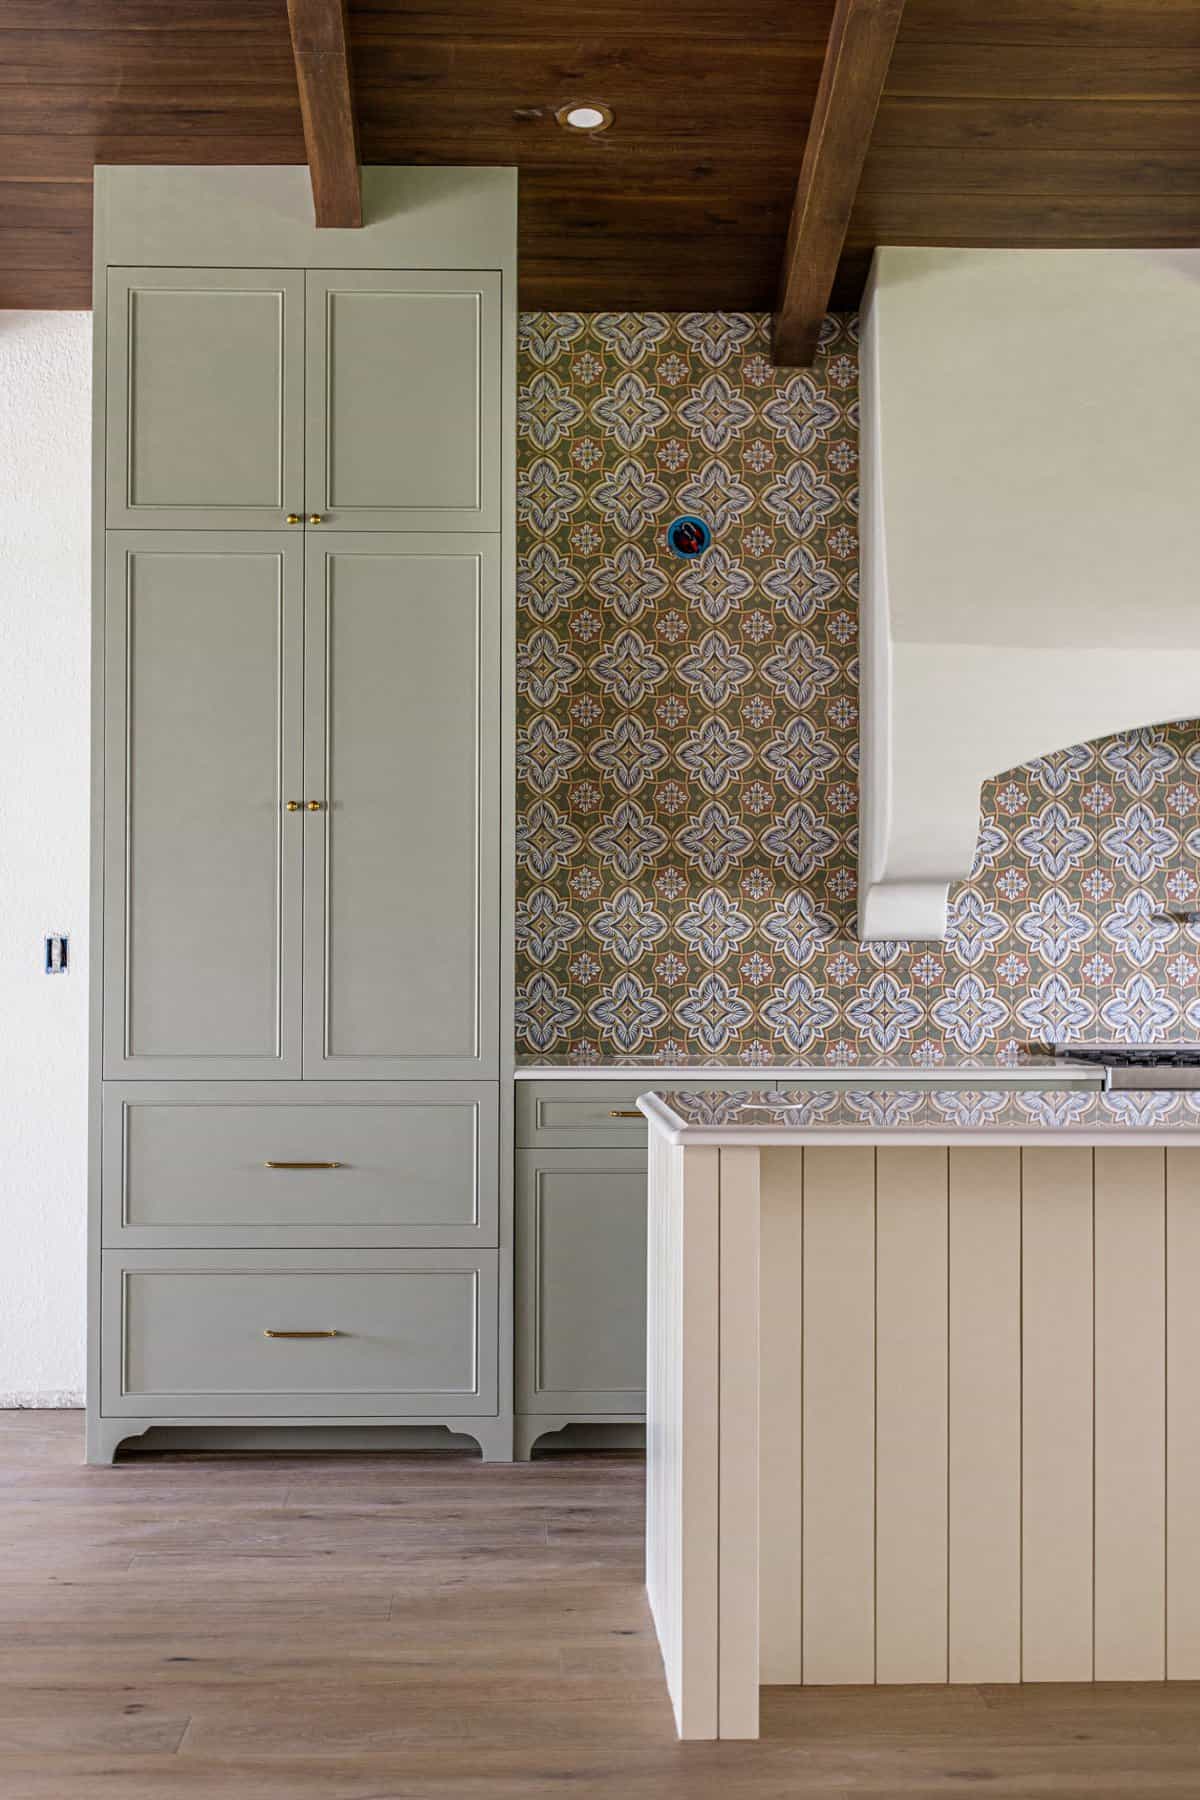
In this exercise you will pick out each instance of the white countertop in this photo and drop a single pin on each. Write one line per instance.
(1024, 1072)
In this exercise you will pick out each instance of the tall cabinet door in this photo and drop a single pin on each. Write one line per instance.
(205, 398)
(403, 400)
(202, 750)
(402, 753)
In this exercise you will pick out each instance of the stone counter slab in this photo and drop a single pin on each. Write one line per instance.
(948, 1115)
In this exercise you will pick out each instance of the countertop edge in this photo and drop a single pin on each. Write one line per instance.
(676, 1131)
(814, 1075)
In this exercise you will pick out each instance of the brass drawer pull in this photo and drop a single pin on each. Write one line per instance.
(302, 1165)
(300, 1334)
(621, 1113)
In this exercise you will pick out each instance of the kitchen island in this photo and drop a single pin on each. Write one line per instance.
(922, 1378)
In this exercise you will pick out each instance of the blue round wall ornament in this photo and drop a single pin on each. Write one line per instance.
(688, 536)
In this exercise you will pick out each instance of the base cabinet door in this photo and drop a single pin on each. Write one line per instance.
(581, 1282)
(303, 1334)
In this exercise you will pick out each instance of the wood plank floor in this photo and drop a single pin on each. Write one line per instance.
(416, 1628)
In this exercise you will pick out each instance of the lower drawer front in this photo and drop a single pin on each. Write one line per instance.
(193, 1335)
(204, 1163)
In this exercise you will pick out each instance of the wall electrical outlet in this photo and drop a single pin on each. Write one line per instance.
(57, 953)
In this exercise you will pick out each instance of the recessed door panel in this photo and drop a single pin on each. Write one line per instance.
(206, 397)
(404, 399)
(581, 1262)
(202, 749)
(401, 850)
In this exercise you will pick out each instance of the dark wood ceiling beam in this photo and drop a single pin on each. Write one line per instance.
(861, 40)
(321, 46)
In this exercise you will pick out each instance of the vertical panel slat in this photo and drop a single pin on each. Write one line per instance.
(738, 1652)
(839, 1407)
(1056, 1212)
(910, 1414)
(781, 1423)
(697, 1517)
(1183, 1415)
(1130, 1482)
(985, 1414)
(682, 1426)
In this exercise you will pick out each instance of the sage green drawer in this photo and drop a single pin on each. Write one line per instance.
(190, 1335)
(595, 1115)
(246, 1165)
(564, 1115)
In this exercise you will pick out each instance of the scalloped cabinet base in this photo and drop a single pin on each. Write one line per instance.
(1030, 535)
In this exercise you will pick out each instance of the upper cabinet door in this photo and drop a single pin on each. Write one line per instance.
(402, 756)
(202, 751)
(404, 428)
(205, 398)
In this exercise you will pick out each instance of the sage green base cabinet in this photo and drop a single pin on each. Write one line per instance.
(580, 1246)
(581, 1252)
(581, 1289)
(301, 1105)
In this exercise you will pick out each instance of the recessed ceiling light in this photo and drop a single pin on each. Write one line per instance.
(585, 116)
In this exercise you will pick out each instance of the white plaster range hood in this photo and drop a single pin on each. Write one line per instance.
(1030, 535)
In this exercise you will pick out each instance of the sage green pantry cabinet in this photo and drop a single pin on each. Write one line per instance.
(301, 1209)
(239, 799)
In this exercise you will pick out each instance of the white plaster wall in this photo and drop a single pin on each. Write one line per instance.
(45, 375)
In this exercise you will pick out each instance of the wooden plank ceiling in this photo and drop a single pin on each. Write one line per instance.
(1005, 122)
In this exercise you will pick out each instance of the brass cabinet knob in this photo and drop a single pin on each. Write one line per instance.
(293, 806)
(315, 805)
(314, 518)
(293, 519)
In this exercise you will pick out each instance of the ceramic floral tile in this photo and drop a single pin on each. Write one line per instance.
(688, 741)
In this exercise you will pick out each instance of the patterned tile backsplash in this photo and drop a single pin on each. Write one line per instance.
(688, 742)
